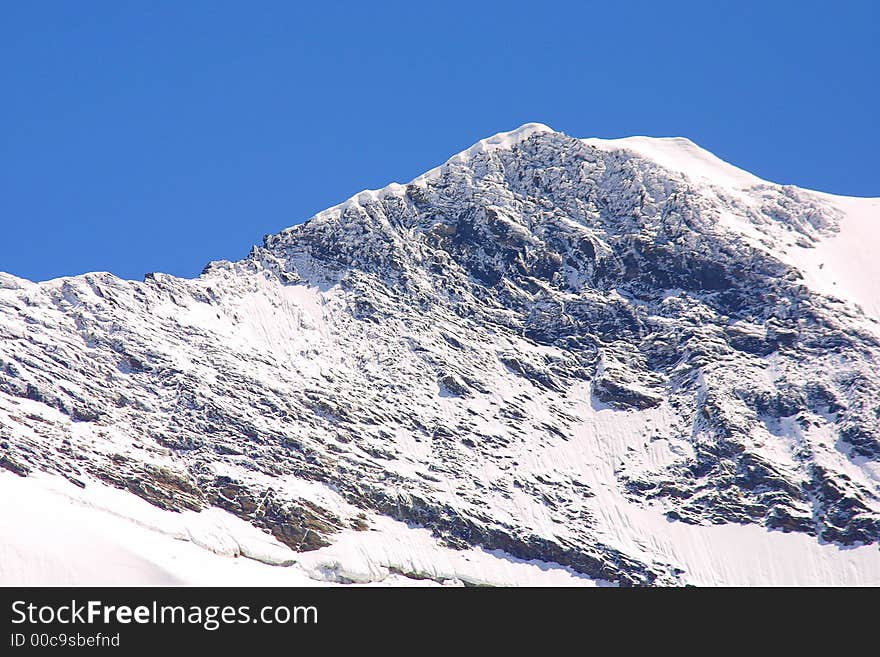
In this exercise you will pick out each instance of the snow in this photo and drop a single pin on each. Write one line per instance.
(731, 554)
(683, 156)
(501, 140)
(55, 534)
(743, 555)
(52, 533)
(363, 557)
(846, 264)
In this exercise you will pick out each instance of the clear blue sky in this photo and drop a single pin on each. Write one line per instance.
(159, 135)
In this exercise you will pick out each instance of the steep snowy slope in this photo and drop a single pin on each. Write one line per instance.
(842, 264)
(549, 360)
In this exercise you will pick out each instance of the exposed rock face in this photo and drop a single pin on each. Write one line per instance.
(452, 352)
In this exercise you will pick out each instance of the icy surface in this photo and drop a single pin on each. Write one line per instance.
(845, 264)
(56, 534)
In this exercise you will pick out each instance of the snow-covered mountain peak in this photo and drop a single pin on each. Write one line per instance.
(601, 360)
(501, 140)
(504, 169)
(505, 139)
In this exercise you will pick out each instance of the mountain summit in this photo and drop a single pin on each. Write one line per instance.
(549, 360)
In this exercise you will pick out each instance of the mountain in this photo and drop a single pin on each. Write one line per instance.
(548, 361)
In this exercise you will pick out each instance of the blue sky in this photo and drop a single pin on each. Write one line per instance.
(157, 136)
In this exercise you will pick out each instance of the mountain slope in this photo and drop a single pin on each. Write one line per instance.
(613, 356)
